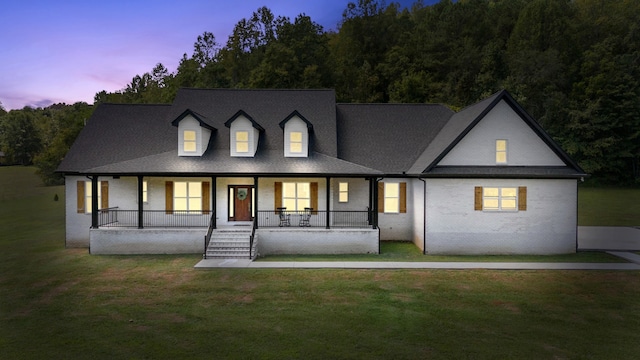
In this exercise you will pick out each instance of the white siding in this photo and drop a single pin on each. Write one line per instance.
(548, 225)
(202, 136)
(524, 147)
(76, 225)
(418, 212)
(398, 226)
(296, 124)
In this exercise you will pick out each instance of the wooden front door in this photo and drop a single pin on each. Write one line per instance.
(240, 202)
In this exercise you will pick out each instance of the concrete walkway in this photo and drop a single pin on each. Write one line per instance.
(241, 263)
(617, 241)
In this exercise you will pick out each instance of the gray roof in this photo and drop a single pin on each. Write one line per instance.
(267, 108)
(389, 137)
(265, 163)
(120, 132)
(346, 139)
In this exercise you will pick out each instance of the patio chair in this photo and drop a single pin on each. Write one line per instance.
(284, 217)
(305, 217)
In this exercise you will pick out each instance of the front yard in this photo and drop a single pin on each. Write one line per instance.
(62, 303)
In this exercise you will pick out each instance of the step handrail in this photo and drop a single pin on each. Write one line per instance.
(253, 233)
(207, 238)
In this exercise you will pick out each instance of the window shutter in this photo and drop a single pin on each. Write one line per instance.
(168, 197)
(104, 194)
(277, 196)
(403, 197)
(522, 198)
(313, 187)
(478, 198)
(206, 197)
(380, 197)
(81, 195)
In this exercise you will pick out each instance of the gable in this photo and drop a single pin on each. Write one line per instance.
(524, 146)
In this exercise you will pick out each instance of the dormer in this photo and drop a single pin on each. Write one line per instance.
(193, 133)
(296, 135)
(244, 134)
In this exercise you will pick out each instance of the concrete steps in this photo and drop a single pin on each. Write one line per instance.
(230, 244)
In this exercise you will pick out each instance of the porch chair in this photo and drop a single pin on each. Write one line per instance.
(284, 218)
(305, 217)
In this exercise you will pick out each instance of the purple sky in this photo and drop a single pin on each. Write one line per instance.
(68, 50)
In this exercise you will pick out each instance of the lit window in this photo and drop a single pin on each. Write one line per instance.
(501, 151)
(500, 199)
(295, 142)
(189, 141)
(144, 191)
(343, 189)
(391, 197)
(187, 196)
(242, 141)
(87, 192)
(296, 196)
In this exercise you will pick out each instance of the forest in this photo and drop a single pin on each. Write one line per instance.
(574, 65)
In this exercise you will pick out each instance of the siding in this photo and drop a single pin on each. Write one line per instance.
(524, 146)
(548, 225)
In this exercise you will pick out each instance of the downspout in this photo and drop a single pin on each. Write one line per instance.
(94, 202)
(424, 215)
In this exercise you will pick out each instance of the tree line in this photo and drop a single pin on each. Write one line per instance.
(574, 65)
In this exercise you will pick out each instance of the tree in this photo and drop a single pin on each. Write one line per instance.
(19, 137)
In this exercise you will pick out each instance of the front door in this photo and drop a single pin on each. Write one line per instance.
(240, 202)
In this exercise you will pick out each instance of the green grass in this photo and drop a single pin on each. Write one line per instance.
(608, 207)
(58, 303)
(407, 251)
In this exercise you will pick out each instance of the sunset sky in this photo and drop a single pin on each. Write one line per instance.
(68, 50)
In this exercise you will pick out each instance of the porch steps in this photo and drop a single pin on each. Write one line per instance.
(230, 244)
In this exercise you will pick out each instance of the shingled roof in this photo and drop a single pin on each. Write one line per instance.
(388, 137)
(347, 139)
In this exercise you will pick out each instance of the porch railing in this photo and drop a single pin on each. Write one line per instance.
(114, 217)
(314, 219)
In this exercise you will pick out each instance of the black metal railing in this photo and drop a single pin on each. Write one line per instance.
(114, 217)
(207, 238)
(314, 218)
(251, 238)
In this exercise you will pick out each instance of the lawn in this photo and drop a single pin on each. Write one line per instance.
(58, 303)
(608, 207)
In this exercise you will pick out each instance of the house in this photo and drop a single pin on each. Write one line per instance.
(235, 173)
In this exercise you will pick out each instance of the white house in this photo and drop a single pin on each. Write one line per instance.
(235, 173)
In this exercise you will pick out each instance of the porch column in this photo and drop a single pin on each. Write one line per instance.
(328, 218)
(370, 207)
(255, 201)
(374, 212)
(94, 202)
(140, 203)
(214, 194)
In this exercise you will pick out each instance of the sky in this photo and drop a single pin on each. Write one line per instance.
(66, 51)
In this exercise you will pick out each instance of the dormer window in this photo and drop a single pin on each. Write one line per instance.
(296, 135)
(295, 142)
(189, 142)
(242, 141)
(193, 133)
(244, 135)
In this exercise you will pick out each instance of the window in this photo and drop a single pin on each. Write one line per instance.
(391, 197)
(295, 142)
(88, 195)
(242, 141)
(187, 196)
(296, 196)
(343, 189)
(144, 192)
(189, 137)
(501, 151)
(501, 198)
